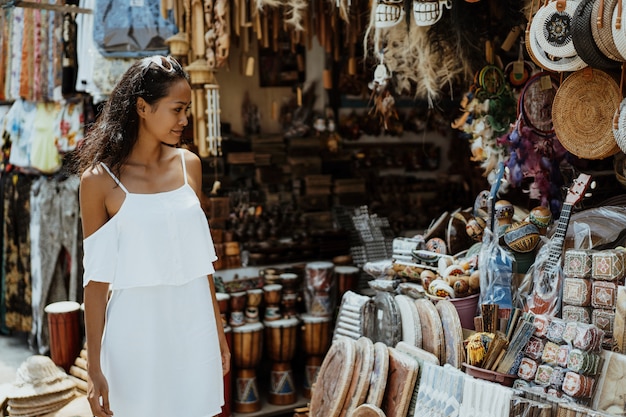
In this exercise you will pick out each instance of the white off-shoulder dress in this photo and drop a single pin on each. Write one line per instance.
(160, 348)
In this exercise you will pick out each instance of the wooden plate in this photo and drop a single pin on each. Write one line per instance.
(378, 378)
(333, 379)
(411, 327)
(403, 371)
(388, 327)
(357, 392)
(432, 329)
(367, 410)
(452, 333)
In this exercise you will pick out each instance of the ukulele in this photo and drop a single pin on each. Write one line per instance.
(547, 280)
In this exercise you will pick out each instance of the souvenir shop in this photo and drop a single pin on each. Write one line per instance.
(417, 205)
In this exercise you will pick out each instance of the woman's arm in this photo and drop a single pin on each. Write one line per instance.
(93, 216)
(194, 174)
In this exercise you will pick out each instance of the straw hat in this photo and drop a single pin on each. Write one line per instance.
(37, 406)
(37, 376)
(583, 40)
(582, 113)
(601, 16)
(551, 25)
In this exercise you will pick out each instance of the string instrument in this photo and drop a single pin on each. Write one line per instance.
(547, 279)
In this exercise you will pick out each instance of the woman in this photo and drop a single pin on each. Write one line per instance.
(154, 334)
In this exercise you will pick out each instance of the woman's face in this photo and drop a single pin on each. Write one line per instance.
(166, 119)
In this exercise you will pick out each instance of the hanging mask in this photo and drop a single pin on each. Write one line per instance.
(389, 13)
(428, 12)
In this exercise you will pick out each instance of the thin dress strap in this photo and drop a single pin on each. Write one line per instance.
(118, 182)
(182, 157)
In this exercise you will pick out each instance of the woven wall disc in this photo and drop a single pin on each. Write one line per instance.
(333, 379)
(603, 36)
(582, 114)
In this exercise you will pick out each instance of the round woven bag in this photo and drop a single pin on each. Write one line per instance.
(619, 126)
(546, 61)
(618, 29)
(582, 113)
(601, 15)
(551, 25)
(583, 40)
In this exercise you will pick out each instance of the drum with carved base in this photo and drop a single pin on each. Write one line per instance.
(226, 409)
(316, 339)
(246, 353)
(320, 286)
(280, 344)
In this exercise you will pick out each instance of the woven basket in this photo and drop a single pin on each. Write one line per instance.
(582, 113)
(539, 57)
(601, 16)
(583, 40)
(552, 28)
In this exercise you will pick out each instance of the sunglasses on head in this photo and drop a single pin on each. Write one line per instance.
(165, 63)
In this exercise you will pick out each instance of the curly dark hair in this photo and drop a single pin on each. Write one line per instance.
(114, 133)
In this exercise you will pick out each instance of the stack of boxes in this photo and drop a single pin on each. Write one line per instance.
(592, 280)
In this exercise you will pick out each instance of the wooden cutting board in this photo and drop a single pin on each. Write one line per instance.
(378, 378)
(409, 316)
(452, 333)
(360, 383)
(432, 329)
(333, 380)
(367, 410)
(403, 371)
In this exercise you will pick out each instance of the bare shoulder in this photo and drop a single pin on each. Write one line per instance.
(194, 169)
(96, 187)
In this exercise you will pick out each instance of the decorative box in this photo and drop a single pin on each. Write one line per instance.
(576, 360)
(561, 357)
(527, 369)
(555, 330)
(603, 294)
(588, 337)
(550, 353)
(576, 314)
(577, 291)
(534, 347)
(543, 375)
(556, 379)
(608, 265)
(577, 385)
(603, 320)
(577, 263)
(541, 324)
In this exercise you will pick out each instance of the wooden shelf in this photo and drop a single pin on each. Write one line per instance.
(268, 409)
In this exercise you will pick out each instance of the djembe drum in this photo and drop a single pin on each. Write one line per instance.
(280, 345)
(271, 296)
(291, 287)
(64, 331)
(316, 339)
(254, 299)
(319, 294)
(223, 301)
(347, 278)
(237, 307)
(226, 411)
(247, 351)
